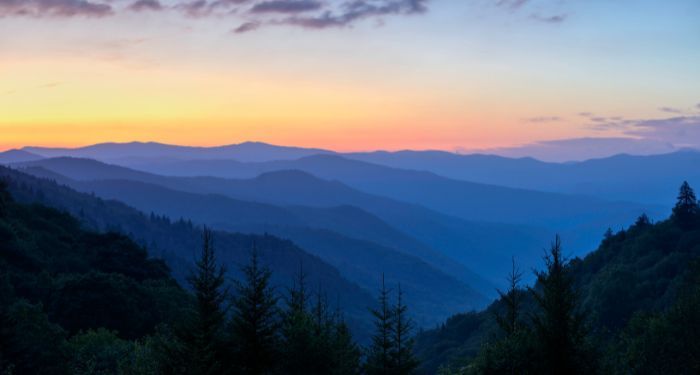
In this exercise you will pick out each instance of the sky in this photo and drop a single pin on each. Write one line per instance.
(510, 76)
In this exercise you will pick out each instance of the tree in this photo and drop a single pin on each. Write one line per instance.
(510, 322)
(686, 208)
(202, 338)
(512, 353)
(346, 353)
(254, 325)
(379, 356)
(297, 329)
(403, 359)
(559, 326)
(5, 198)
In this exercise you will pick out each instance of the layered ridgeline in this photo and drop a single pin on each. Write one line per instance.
(177, 241)
(74, 301)
(360, 244)
(631, 306)
(529, 216)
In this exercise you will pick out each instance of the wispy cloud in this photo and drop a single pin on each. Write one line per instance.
(146, 5)
(557, 18)
(670, 110)
(543, 119)
(286, 6)
(54, 8)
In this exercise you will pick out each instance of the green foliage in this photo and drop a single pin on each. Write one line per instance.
(57, 279)
(663, 343)
(78, 302)
(30, 342)
(97, 352)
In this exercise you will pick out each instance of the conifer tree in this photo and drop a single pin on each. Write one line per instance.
(686, 208)
(403, 359)
(559, 326)
(298, 338)
(346, 353)
(379, 357)
(512, 298)
(255, 322)
(201, 338)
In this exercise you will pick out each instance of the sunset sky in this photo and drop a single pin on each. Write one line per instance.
(348, 74)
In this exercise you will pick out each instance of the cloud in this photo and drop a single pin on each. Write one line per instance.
(355, 10)
(286, 6)
(54, 8)
(559, 18)
(145, 5)
(683, 131)
(541, 119)
(670, 110)
(246, 27)
(511, 4)
(253, 14)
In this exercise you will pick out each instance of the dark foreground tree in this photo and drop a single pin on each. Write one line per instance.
(686, 208)
(403, 359)
(391, 351)
(513, 352)
(254, 325)
(198, 349)
(379, 359)
(559, 327)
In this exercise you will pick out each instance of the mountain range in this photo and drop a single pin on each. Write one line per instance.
(430, 220)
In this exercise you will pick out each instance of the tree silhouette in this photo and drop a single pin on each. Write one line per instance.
(202, 338)
(379, 356)
(254, 325)
(686, 208)
(559, 326)
(512, 298)
(403, 361)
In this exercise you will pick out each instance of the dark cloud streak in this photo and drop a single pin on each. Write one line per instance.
(286, 6)
(54, 8)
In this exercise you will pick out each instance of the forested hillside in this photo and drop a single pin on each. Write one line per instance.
(74, 301)
(631, 306)
(176, 242)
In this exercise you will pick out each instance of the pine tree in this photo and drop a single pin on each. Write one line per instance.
(686, 209)
(379, 357)
(199, 347)
(559, 327)
(403, 359)
(254, 325)
(4, 197)
(512, 298)
(346, 353)
(298, 330)
(642, 221)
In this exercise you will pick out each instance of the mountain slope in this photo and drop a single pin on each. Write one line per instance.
(642, 269)
(17, 156)
(178, 242)
(433, 297)
(472, 243)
